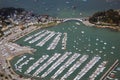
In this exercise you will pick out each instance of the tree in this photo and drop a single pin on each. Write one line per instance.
(110, 16)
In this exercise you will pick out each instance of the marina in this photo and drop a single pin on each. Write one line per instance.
(63, 62)
(83, 45)
(59, 40)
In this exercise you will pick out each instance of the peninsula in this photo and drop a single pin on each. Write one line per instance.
(106, 19)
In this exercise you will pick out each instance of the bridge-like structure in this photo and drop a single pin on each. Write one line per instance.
(68, 19)
(76, 19)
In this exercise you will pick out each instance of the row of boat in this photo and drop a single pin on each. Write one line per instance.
(74, 67)
(41, 43)
(39, 37)
(66, 64)
(36, 64)
(55, 42)
(30, 37)
(58, 59)
(98, 70)
(64, 41)
(56, 64)
(46, 64)
(48, 35)
(20, 60)
(88, 66)
(19, 68)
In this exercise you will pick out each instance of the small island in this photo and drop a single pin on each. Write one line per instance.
(106, 19)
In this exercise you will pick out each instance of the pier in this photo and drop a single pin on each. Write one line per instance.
(115, 64)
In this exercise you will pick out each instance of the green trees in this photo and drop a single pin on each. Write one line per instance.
(110, 16)
(1, 33)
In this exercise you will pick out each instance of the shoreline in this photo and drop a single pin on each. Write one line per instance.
(87, 23)
(116, 28)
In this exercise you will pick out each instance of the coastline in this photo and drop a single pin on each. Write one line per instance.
(106, 19)
(87, 23)
(116, 28)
